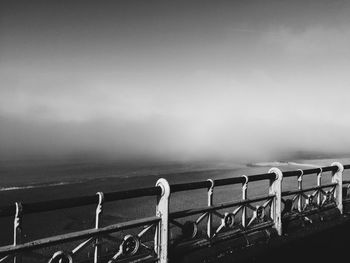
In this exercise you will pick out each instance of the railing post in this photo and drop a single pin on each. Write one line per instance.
(98, 219)
(210, 203)
(162, 231)
(244, 197)
(337, 177)
(17, 230)
(319, 183)
(276, 190)
(300, 187)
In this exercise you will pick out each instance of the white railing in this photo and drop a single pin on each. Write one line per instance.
(197, 227)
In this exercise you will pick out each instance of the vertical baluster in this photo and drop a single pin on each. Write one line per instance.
(210, 203)
(98, 222)
(337, 177)
(244, 197)
(319, 183)
(276, 190)
(162, 231)
(300, 187)
(17, 230)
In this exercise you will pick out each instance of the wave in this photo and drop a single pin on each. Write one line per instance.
(11, 188)
(268, 164)
(304, 164)
(278, 163)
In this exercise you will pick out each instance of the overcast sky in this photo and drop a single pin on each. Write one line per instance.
(174, 79)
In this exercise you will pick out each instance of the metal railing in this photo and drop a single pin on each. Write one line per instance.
(210, 223)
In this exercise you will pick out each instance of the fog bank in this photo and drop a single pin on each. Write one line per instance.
(183, 80)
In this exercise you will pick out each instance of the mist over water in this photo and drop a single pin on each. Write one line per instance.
(176, 81)
(169, 140)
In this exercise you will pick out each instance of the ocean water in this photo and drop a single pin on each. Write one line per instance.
(39, 173)
(17, 176)
(38, 180)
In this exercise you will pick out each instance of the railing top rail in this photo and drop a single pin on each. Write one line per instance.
(251, 178)
(50, 205)
(311, 171)
(221, 182)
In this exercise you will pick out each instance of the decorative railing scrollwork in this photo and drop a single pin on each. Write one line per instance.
(228, 219)
(150, 237)
(61, 257)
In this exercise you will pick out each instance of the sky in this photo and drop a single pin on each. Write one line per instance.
(174, 80)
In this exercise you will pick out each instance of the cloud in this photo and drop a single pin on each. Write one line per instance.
(244, 86)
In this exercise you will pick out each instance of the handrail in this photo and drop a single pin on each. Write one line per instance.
(346, 166)
(311, 171)
(220, 182)
(43, 206)
(50, 205)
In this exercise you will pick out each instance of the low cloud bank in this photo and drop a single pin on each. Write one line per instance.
(162, 139)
